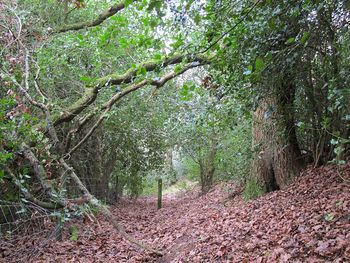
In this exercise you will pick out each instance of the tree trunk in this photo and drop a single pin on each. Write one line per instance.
(207, 168)
(278, 158)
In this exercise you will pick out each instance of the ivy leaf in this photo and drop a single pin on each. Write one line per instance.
(105, 37)
(177, 68)
(87, 80)
(185, 93)
(155, 4)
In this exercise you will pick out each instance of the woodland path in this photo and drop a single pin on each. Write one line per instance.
(308, 222)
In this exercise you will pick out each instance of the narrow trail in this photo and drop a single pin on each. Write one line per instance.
(307, 222)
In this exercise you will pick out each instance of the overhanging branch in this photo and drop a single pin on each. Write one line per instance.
(109, 104)
(99, 20)
(91, 92)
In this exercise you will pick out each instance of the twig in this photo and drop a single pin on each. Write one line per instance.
(36, 84)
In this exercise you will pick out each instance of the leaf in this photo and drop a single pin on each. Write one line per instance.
(141, 71)
(73, 230)
(301, 125)
(329, 217)
(177, 68)
(305, 37)
(290, 41)
(123, 43)
(155, 4)
(197, 19)
(2, 174)
(105, 37)
(247, 72)
(157, 56)
(259, 64)
(189, 3)
(87, 80)
(334, 141)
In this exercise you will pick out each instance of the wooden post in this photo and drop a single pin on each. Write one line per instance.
(159, 193)
(59, 226)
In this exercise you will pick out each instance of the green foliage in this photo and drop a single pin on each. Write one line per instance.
(74, 233)
(252, 190)
(16, 127)
(184, 186)
(149, 187)
(236, 152)
(191, 168)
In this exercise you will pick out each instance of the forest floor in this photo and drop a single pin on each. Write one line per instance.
(307, 222)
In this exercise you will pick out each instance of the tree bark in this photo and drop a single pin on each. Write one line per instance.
(277, 159)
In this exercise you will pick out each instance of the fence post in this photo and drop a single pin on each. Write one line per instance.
(59, 226)
(159, 193)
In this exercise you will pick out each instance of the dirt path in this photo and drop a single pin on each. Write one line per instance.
(308, 222)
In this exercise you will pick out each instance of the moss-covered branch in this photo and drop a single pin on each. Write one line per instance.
(99, 20)
(91, 92)
(106, 107)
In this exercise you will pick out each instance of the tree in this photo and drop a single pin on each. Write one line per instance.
(280, 50)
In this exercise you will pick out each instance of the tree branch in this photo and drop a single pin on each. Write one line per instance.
(91, 93)
(28, 196)
(109, 104)
(99, 20)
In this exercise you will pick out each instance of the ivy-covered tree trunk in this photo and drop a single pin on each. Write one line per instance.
(277, 156)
